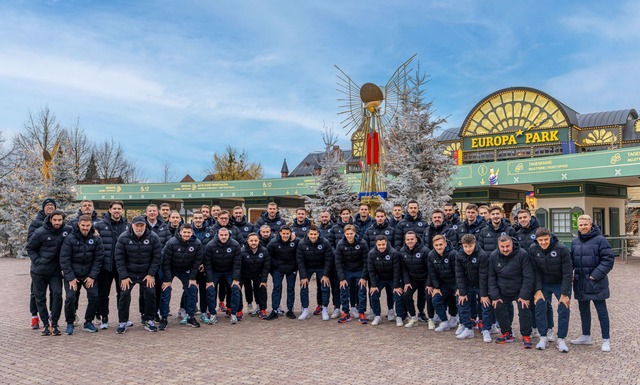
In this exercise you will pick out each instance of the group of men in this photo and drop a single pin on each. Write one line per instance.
(465, 274)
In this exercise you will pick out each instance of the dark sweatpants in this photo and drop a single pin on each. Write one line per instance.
(40, 285)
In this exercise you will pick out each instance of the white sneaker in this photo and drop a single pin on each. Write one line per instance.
(182, 313)
(443, 326)
(486, 336)
(325, 314)
(354, 313)
(582, 340)
(606, 345)
(234, 319)
(376, 320)
(213, 319)
(494, 329)
(542, 344)
(453, 322)
(562, 346)
(391, 315)
(129, 324)
(460, 329)
(399, 321)
(305, 314)
(551, 335)
(535, 333)
(412, 322)
(436, 319)
(255, 311)
(250, 307)
(336, 313)
(371, 316)
(104, 325)
(466, 333)
(432, 324)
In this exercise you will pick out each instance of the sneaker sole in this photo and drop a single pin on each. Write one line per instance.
(89, 330)
(504, 342)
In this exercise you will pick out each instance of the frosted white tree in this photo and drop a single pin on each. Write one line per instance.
(333, 191)
(415, 165)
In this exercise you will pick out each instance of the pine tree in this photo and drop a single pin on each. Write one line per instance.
(63, 179)
(92, 169)
(333, 191)
(415, 166)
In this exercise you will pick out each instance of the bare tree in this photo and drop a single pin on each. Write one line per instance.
(233, 164)
(80, 149)
(5, 154)
(42, 130)
(167, 172)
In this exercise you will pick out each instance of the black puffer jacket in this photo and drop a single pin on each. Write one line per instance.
(384, 266)
(511, 276)
(417, 225)
(337, 231)
(415, 262)
(471, 270)
(379, 229)
(444, 229)
(471, 228)
(592, 257)
(314, 255)
(74, 222)
(265, 241)
(138, 257)
(109, 231)
(283, 255)
(234, 232)
(223, 258)
(351, 257)
(442, 268)
(256, 263)
(454, 222)
(274, 223)
(552, 265)
(204, 234)
(527, 236)
(36, 223)
(325, 229)
(362, 225)
(300, 230)
(488, 238)
(80, 256)
(44, 246)
(161, 229)
(244, 226)
(181, 256)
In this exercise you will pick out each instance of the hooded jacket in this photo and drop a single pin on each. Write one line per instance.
(444, 229)
(352, 257)
(527, 236)
(300, 230)
(181, 256)
(283, 254)
(384, 266)
(234, 232)
(415, 262)
(417, 225)
(471, 228)
(161, 229)
(109, 231)
(36, 223)
(442, 268)
(138, 257)
(244, 226)
(256, 263)
(592, 257)
(204, 234)
(313, 256)
(511, 276)
(44, 247)
(223, 258)
(337, 231)
(274, 223)
(488, 238)
(362, 225)
(379, 229)
(471, 270)
(80, 256)
(552, 265)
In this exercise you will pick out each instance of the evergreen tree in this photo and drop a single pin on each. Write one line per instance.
(333, 191)
(415, 165)
(92, 169)
(63, 179)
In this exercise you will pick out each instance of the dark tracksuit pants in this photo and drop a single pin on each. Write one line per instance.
(191, 292)
(149, 301)
(502, 311)
(440, 301)
(407, 296)
(40, 285)
(473, 308)
(304, 291)
(236, 295)
(276, 294)
(545, 320)
(375, 298)
(105, 280)
(585, 317)
(252, 285)
(248, 290)
(71, 298)
(353, 282)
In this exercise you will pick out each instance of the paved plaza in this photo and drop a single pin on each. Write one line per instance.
(306, 352)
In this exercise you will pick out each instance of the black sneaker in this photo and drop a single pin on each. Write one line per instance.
(56, 331)
(157, 318)
(163, 324)
(46, 331)
(423, 317)
(273, 315)
(192, 321)
(122, 328)
(150, 326)
(290, 315)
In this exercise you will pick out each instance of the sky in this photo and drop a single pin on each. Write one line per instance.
(176, 81)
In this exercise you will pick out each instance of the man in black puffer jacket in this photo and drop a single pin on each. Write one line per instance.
(282, 250)
(223, 221)
(301, 224)
(314, 256)
(451, 216)
(511, 278)
(265, 235)
(362, 219)
(442, 279)
(325, 224)
(256, 264)
(271, 217)
(351, 270)
(488, 238)
(240, 221)
(473, 223)
(552, 262)
(81, 261)
(86, 208)
(223, 261)
(592, 261)
(110, 227)
(138, 258)
(156, 224)
(412, 221)
(182, 257)
(383, 263)
(471, 282)
(414, 260)
(380, 226)
(337, 231)
(439, 226)
(43, 249)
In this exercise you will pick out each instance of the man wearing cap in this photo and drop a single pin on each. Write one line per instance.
(138, 257)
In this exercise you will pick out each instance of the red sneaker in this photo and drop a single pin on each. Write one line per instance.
(318, 310)
(240, 315)
(35, 323)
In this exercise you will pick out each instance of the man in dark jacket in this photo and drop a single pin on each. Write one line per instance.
(81, 261)
(363, 220)
(473, 223)
(351, 267)
(301, 224)
(138, 258)
(488, 237)
(511, 278)
(325, 224)
(552, 262)
(182, 257)
(256, 264)
(471, 282)
(271, 217)
(439, 226)
(240, 221)
(413, 257)
(282, 250)
(450, 216)
(442, 279)
(412, 221)
(109, 227)
(175, 221)
(204, 235)
(223, 261)
(86, 208)
(48, 206)
(396, 215)
(156, 224)
(265, 235)
(314, 256)
(43, 249)
(224, 290)
(380, 226)
(337, 231)
(592, 261)
(383, 263)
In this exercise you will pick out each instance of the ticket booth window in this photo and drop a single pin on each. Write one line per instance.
(561, 220)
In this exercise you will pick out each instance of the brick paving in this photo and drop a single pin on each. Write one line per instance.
(306, 352)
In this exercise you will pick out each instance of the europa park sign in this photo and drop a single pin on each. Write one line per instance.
(517, 138)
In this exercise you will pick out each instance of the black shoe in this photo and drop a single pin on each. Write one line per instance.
(46, 331)
(56, 331)
(192, 321)
(290, 315)
(122, 328)
(163, 324)
(157, 318)
(273, 315)
(423, 317)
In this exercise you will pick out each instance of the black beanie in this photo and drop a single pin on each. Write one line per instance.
(49, 200)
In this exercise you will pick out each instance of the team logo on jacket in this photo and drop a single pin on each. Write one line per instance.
(146, 242)
(357, 247)
(533, 236)
(304, 229)
(191, 249)
(446, 260)
(291, 244)
(246, 229)
(65, 234)
(554, 254)
(386, 232)
(260, 255)
(228, 249)
(179, 249)
(387, 257)
(503, 233)
(419, 224)
(418, 255)
(455, 227)
(474, 260)
(160, 229)
(319, 247)
(207, 235)
(90, 241)
(499, 265)
(279, 223)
